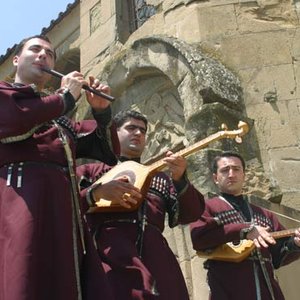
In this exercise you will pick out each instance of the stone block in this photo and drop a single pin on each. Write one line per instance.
(297, 77)
(94, 14)
(291, 199)
(200, 287)
(256, 50)
(154, 2)
(295, 50)
(293, 107)
(215, 22)
(171, 4)
(183, 28)
(88, 4)
(285, 166)
(98, 42)
(273, 126)
(170, 237)
(108, 9)
(261, 16)
(288, 280)
(84, 27)
(186, 269)
(278, 80)
(154, 25)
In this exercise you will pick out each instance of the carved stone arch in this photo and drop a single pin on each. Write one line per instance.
(173, 83)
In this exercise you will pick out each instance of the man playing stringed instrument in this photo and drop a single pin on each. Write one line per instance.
(229, 217)
(138, 261)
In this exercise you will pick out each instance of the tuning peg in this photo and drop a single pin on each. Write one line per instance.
(244, 127)
(224, 126)
(238, 139)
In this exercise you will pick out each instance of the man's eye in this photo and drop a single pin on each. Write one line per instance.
(50, 53)
(133, 128)
(236, 168)
(35, 49)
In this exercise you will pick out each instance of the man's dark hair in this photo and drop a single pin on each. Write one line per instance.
(125, 115)
(227, 154)
(24, 41)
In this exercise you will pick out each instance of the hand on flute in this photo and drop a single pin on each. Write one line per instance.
(98, 103)
(74, 82)
(84, 86)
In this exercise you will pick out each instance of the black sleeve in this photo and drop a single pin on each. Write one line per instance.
(98, 144)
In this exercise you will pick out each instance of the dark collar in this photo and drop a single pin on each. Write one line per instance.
(123, 158)
(230, 197)
(15, 84)
(240, 203)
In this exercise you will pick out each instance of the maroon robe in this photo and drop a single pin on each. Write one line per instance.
(41, 256)
(142, 266)
(223, 222)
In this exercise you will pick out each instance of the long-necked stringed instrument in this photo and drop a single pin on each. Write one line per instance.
(237, 252)
(141, 175)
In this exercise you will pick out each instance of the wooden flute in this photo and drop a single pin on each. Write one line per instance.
(85, 87)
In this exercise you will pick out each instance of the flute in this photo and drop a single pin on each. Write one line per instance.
(85, 87)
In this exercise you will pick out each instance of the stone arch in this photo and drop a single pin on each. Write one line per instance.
(173, 83)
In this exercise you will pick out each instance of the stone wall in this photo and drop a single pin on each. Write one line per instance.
(197, 64)
(191, 67)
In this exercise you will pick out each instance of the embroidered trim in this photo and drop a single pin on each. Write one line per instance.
(66, 123)
(20, 137)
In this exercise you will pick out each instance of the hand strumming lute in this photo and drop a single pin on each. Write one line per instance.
(237, 252)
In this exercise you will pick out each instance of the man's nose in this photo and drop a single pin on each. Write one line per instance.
(137, 131)
(231, 172)
(43, 53)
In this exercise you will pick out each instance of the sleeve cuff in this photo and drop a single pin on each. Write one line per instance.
(68, 100)
(291, 246)
(89, 196)
(104, 116)
(181, 185)
(245, 231)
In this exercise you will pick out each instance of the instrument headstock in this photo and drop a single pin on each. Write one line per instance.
(236, 134)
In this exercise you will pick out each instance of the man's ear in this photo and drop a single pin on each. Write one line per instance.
(215, 178)
(245, 176)
(15, 60)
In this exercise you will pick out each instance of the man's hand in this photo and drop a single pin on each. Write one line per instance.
(96, 102)
(74, 82)
(118, 190)
(261, 236)
(297, 237)
(176, 164)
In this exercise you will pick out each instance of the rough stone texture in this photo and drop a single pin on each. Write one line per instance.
(157, 75)
(191, 67)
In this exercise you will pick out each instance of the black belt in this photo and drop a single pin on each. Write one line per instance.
(255, 258)
(130, 221)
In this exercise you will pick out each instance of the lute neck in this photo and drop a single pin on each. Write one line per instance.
(283, 233)
(161, 164)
